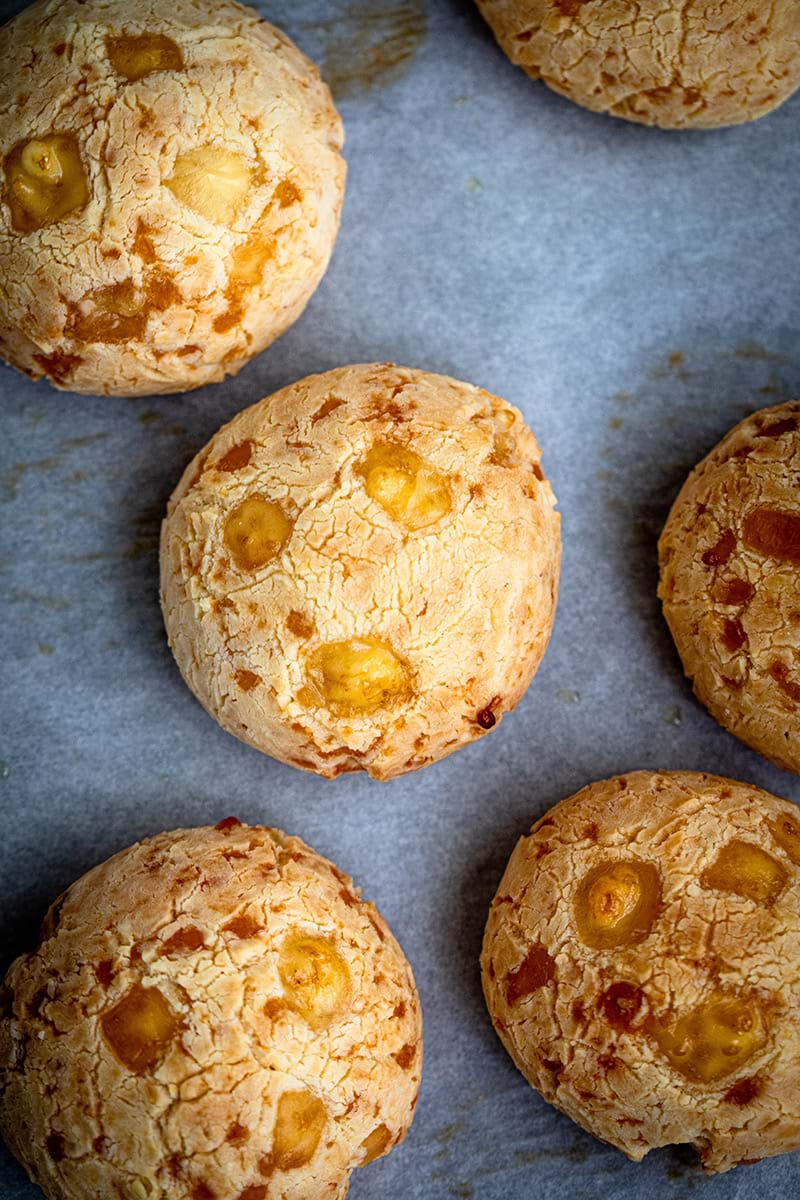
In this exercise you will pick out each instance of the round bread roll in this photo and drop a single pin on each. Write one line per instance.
(695, 65)
(171, 186)
(360, 572)
(730, 581)
(640, 964)
(211, 1013)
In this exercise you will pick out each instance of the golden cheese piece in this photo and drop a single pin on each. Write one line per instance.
(212, 181)
(640, 964)
(211, 1012)
(714, 1040)
(45, 181)
(746, 870)
(299, 1125)
(255, 532)
(408, 489)
(360, 675)
(315, 978)
(616, 903)
(135, 55)
(140, 1028)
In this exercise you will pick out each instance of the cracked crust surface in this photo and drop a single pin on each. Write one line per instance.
(679, 64)
(463, 605)
(730, 581)
(146, 288)
(200, 919)
(592, 1028)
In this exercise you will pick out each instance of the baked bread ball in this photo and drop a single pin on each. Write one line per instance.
(360, 572)
(730, 581)
(678, 64)
(640, 964)
(214, 1014)
(169, 191)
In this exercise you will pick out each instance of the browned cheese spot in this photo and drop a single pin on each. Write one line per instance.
(773, 533)
(58, 366)
(719, 554)
(104, 973)
(744, 1091)
(778, 428)
(780, 673)
(183, 941)
(119, 312)
(535, 971)
(299, 625)
(237, 457)
(143, 244)
(325, 409)
(406, 1056)
(286, 194)
(227, 823)
(56, 1146)
(237, 1135)
(733, 591)
(246, 680)
(247, 272)
(486, 719)
(621, 1004)
(243, 926)
(733, 634)
(569, 8)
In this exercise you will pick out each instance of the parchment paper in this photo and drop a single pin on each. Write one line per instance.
(635, 293)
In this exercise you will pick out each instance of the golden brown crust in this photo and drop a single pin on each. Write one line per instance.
(591, 1028)
(200, 920)
(464, 604)
(730, 581)
(679, 64)
(174, 270)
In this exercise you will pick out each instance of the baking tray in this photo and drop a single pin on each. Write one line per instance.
(635, 293)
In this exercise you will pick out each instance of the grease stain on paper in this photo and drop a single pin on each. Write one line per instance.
(146, 531)
(368, 45)
(446, 1136)
(672, 365)
(13, 476)
(757, 351)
